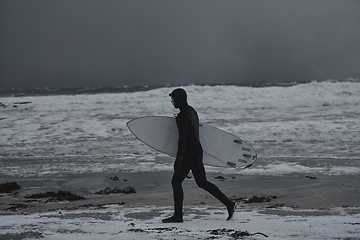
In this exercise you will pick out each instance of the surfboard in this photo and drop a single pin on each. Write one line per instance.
(221, 149)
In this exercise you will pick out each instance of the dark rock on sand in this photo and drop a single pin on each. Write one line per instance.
(117, 179)
(116, 190)
(22, 102)
(17, 206)
(256, 199)
(232, 233)
(57, 196)
(220, 178)
(310, 177)
(9, 187)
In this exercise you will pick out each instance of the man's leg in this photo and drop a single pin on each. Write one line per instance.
(178, 194)
(198, 171)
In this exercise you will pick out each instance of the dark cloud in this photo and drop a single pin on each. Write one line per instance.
(83, 43)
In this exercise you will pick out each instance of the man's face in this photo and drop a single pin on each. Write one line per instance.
(173, 102)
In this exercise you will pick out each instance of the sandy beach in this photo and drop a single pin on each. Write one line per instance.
(154, 189)
(262, 199)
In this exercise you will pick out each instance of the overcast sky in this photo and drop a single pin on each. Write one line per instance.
(88, 43)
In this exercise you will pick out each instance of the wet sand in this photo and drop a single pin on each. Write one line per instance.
(286, 194)
(279, 207)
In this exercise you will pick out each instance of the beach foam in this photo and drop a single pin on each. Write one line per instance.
(313, 120)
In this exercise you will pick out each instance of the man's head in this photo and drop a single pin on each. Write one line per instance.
(179, 97)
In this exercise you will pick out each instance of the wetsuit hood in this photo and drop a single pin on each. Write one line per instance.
(180, 97)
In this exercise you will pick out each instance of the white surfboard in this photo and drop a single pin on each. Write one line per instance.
(221, 149)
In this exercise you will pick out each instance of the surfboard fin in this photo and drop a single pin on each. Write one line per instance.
(231, 164)
(243, 161)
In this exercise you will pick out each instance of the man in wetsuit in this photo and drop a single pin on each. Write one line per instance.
(189, 157)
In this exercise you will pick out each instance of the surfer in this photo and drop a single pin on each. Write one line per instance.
(189, 157)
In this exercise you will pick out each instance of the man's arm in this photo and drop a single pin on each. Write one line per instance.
(182, 125)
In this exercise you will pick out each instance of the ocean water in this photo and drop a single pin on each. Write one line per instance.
(301, 128)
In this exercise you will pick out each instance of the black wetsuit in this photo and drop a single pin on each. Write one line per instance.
(189, 155)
